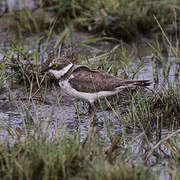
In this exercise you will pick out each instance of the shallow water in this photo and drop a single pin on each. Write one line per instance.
(16, 4)
(161, 79)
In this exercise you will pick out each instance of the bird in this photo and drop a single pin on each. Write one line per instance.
(89, 84)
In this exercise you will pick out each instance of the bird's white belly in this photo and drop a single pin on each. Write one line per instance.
(91, 97)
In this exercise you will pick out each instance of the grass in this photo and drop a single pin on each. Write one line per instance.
(148, 132)
(126, 19)
(121, 19)
(31, 151)
(63, 157)
(163, 105)
(154, 114)
(2, 75)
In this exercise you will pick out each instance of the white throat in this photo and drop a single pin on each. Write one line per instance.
(62, 72)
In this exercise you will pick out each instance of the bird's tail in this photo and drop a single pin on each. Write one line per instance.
(142, 82)
(135, 83)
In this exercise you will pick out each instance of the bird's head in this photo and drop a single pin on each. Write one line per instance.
(58, 67)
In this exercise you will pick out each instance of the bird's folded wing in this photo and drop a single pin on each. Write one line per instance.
(86, 80)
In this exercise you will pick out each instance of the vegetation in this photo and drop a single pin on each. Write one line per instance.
(122, 19)
(64, 157)
(32, 151)
(2, 75)
(139, 129)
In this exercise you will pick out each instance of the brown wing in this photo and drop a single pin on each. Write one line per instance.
(86, 80)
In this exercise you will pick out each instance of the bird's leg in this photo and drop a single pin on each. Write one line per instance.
(90, 108)
(95, 108)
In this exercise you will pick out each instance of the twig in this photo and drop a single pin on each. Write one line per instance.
(159, 143)
(105, 54)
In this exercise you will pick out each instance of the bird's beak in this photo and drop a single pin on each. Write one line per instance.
(43, 70)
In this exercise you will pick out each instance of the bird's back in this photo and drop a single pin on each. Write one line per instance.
(86, 80)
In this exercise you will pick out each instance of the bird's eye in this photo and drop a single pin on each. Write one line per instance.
(54, 66)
